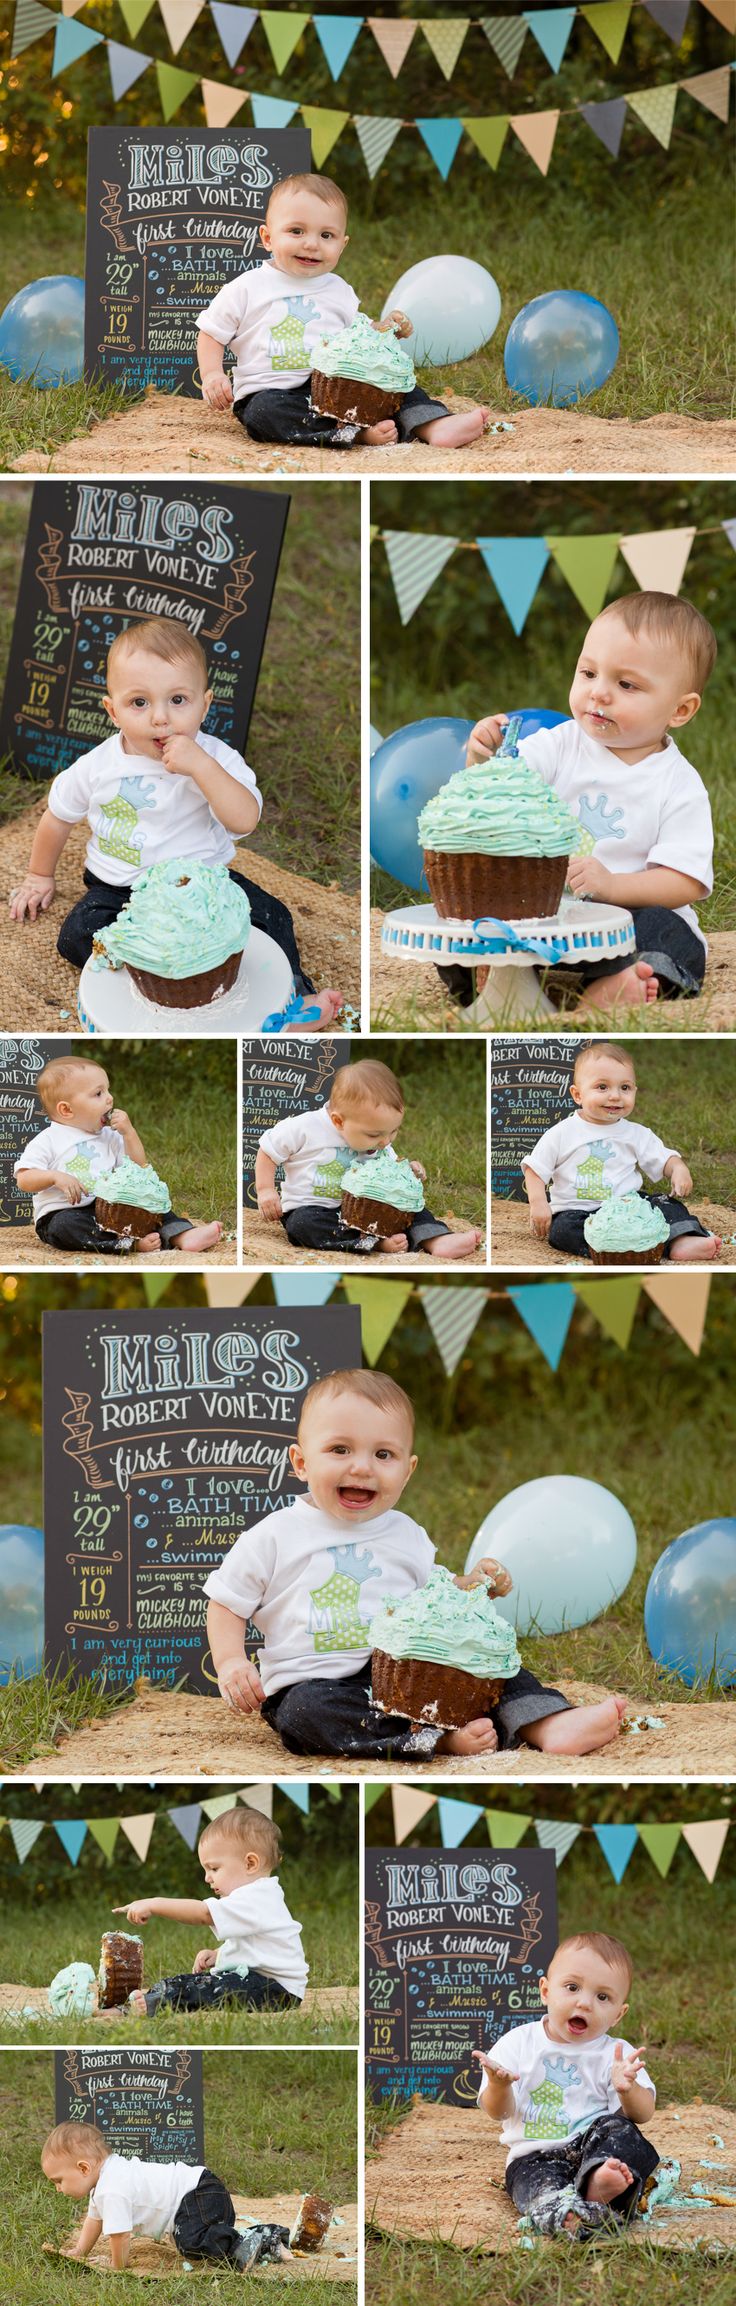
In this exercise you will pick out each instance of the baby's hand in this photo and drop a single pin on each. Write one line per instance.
(141, 1910)
(485, 738)
(118, 1119)
(498, 2072)
(487, 1572)
(680, 1178)
(539, 1222)
(181, 756)
(33, 897)
(66, 1184)
(240, 1685)
(626, 2066)
(419, 1170)
(269, 1204)
(217, 389)
(204, 1960)
(587, 877)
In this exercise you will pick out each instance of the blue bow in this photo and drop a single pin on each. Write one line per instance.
(508, 937)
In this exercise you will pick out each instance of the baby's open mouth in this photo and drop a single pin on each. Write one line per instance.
(349, 1493)
(577, 2025)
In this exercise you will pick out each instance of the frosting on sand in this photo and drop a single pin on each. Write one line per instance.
(180, 919)
(446, 1626)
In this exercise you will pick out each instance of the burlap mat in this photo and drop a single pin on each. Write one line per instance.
(265, 1244)
(513, 1243)
(337, 2261)
(319, 2001)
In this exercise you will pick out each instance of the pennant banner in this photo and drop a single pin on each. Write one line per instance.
(409, 1807)
(657, 559)
(547, 1316)
(414, 562)
(452, 1315)
(380, 1304)
(559, 1838)
(456, 1819)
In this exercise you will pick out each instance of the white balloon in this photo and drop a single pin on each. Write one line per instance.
(568, 1544)
(454, 305)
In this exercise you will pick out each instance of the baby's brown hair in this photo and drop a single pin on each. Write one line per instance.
(249, 1830)
(163, 637)
(592, 1050)
(670, 621)
(322, 187)
(369, 1384)
(367, 1082)
(78, 2139)
(609, 1950)
(54, 1078)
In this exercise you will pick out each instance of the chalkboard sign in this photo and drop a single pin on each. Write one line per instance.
(172, 215)
(146, 2102)
(100, 554)
(165, 1436)
(530, 1091)
(282, 1077)
(21, 1115)
(456, 1943)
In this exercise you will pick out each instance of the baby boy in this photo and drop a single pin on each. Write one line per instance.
(87, 1136)
(599, 1151)
(259, 1961)
(363, 1113)
(128, 2196)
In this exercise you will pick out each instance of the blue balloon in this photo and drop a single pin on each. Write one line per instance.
(690, 1608)
(560, 348)
(21, 1599)
(407, 769)
(453, 303)
(570, 1547)
(42, 331)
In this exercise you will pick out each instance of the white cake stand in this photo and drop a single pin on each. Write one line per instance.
(109, 1002)
(512, 951)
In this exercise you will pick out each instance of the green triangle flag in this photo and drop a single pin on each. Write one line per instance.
(610, 24)
(489, 136)
(381, 1303)
(371, 1795)
(661, 1842)
(105, 1831)
(219, 1803)
(505, 1828)
(613, 1303)
(173, 87)
(324, 129)
(282, 34)
(155, 1285)
(135, 13)
(587, 564)
(445, 38)
(656, 107)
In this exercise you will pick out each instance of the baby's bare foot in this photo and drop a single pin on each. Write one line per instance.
(578, 1731)
(610, 2178)
(478, 1737)
(394, 1243)
(198, 1237)
(626, 989)
(455, 431)
(693, 1248)
(147, 1242)
(455, 1244)
(136, 2004)
(377, 435)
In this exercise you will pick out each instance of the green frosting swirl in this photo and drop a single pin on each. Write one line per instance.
(446, 1626)
(500, 808)
(380, 1178)
(626, 1221)
(367, 354)
(140, 1187)
(180, 919)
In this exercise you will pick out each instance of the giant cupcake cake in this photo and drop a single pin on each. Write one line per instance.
(181, 934)
(381, 1195)
(443, 1654)
(497, 840)
(361, 375)
(626, 1230)
(131, 1200)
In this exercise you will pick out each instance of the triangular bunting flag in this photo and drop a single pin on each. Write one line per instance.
(72, 7)
(185, 1821)
(24, 1832)
(258, 1798)
(179, 16)
(506, 1828)
(72, 1834)
(607, 122)
(617, 1843)
(713, 89)
(371, 1795)
(375, 138)
(551, 29)
(31, 22)
(724, 12)
(138, 1832)
(408, 1808)
(126, 66)
(729, 528)
(220, 103)
(613, 1304)
(445, 36)
(587, 564)
(558, 1837)
(547, 1311)
(232, 26)
(217, 1805)
(507, 36)
(537, 132)
(489, 136)
(683, 1299)
(671, 16)
(337, 36)
(324, 129)
(661, 1842)
(656, 108)
(610, 25)
(155, 1285)
(442, 138)
(272, 111)
(135, 13)
(517, 565)
(394, 41)
(415, 561)
(230, 1288)
(381, 1303)
(282, 33)
(658, 560)
(303, 1288)
(174, 87)
(452, 1315)
(72, 41)
(296, 1792)
(706, 1842)
(456, 1819)
(104, 1831)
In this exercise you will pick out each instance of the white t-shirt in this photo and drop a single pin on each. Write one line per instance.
(61, 1146)
(585, 1163)
(272, 324)
(314, 1155)
(138, 812)
(134, 2197)
(259, 1933)
(650, 812)
(562, 2086)
(312, 1589)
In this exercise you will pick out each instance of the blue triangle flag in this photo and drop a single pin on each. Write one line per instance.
(517, 565)
(337, 36)
(552, 30)
(126, 65)
(186, 1820)
(456, 1819)
(617, 1843)
(547, 1308)
(72, 1833)
(72, 40)
(296, 1792)
(233, 26)
(303, 1288)
(272, 111)
(442, 138)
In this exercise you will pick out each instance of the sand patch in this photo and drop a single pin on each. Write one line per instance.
(397, 987)
(265, 1244)
(20, 1245)
(319, 2002)
(513, 1243)
(337, 2261)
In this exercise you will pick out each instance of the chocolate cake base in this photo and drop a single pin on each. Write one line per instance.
(123, 1217)
(188, 992)
(350, 402)
(121, 1968)
(628, 1256)
(313, 2217)
(463, 888)
(374, 1216)
(440, 1694)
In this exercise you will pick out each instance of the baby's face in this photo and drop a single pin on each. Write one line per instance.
(369, 1128)
(150, 699)
(356, 1457)
(304, 235)
(87, 1100)
(628, 689)
(605, 1089)
(584, 1995)
(76, 2179)
(226, 1867)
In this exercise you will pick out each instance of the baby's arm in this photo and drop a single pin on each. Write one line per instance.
(216, 386)
(119, 2251)
(269, 1201)
(36, 1180)
(36, 891)
(540, 1214)
(487, 1572)
(678, 1175)
(88, 2235)
(142, 1910)
(238, 1681)
(121, 1121)
(498, 2099)
(235, 805)
(637, 2102)
(657, 885)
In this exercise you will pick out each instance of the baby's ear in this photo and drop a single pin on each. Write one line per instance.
(110, 710)
(686, 710)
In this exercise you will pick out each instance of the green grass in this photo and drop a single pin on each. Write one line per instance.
(684, 1094)
(550, 2274)
(445, 1121)
(274, 2123)
(37, 1712)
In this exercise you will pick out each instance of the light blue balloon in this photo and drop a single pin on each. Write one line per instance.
(407, 770)
(21, 1599)
(560, 348)
(690, 1608)
(569, 1545)
(42, 331)
(453, 304)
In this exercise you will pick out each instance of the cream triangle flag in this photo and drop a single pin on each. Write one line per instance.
(220, 103)
(409, 1808)
(179, 16)
(724, 11)
(713, 89)
(230, 1288)
(656, 107)
(537, 132)
(706, 1842)
(683, 1299)
(394, 40)
(139, 1831)
(257, 1798)
(658, 560)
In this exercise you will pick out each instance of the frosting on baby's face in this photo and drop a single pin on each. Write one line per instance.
(629, 688)
(368, 1127)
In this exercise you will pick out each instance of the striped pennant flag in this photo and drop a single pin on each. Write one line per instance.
(31, 22)
(507, 36)
(375, 138)
(558, 1837)
(24, 1832)
(452, 1315)
(415, 561)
